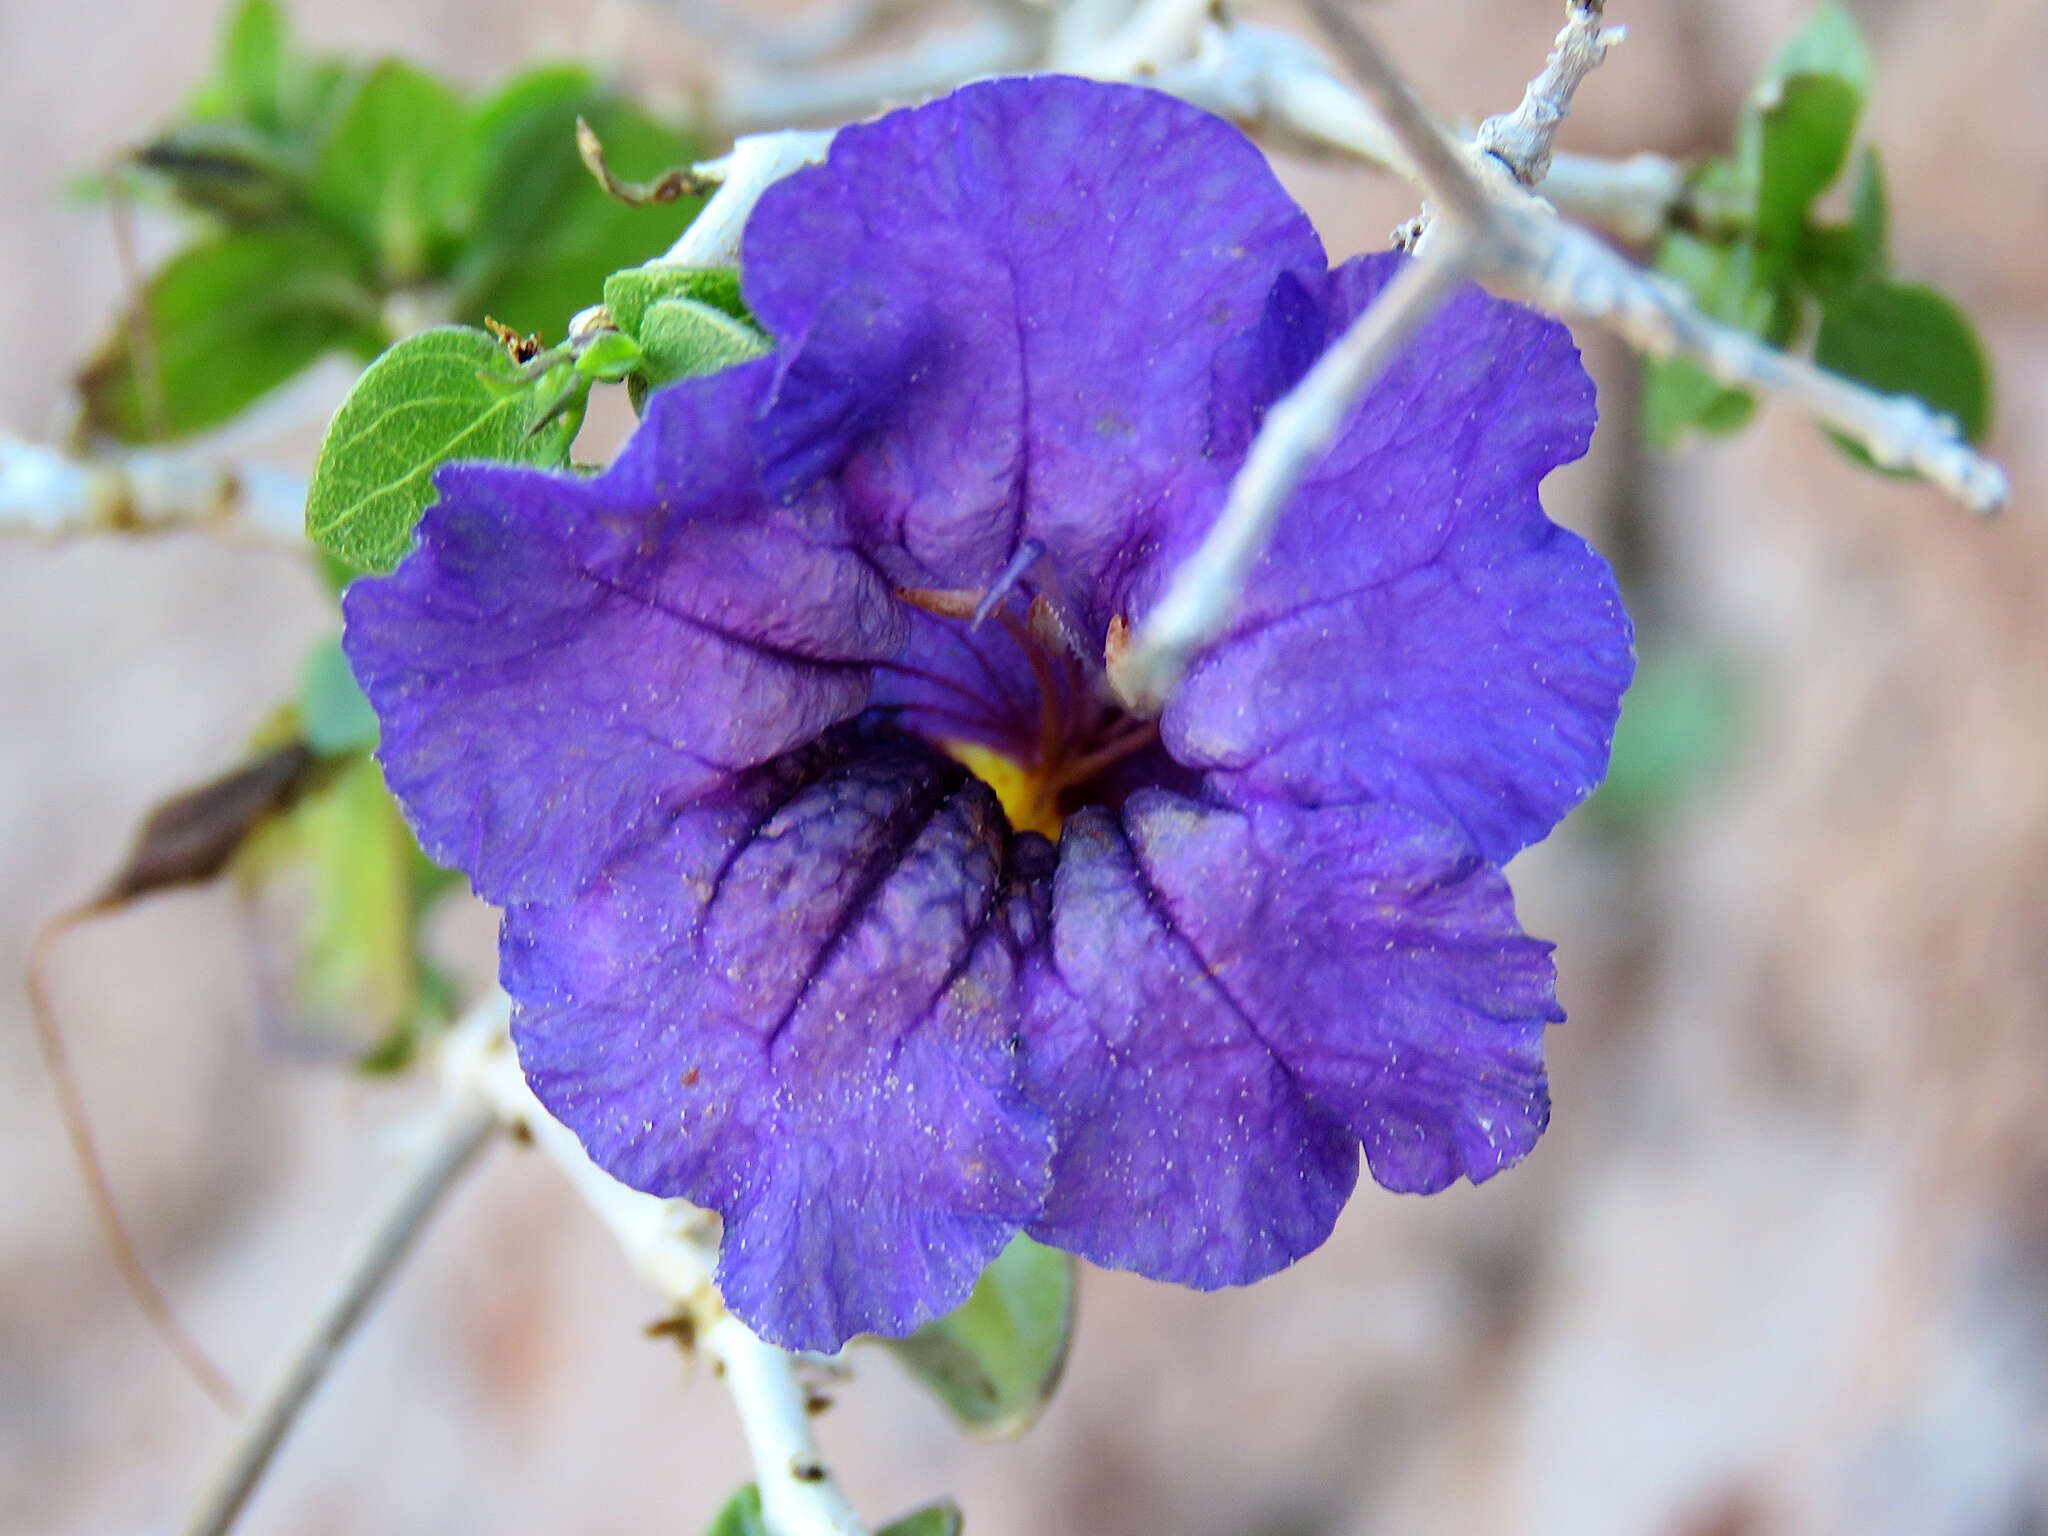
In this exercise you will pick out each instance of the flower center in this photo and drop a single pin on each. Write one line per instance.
(1015, 699)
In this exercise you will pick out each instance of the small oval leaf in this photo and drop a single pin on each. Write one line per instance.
(1906, 339)
(445, 394)
(682, 338)
(995, 1360)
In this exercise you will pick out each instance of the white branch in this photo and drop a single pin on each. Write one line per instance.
(54, 495)
(818, 32)
(674, 1248)
(1522, 139)
(1204, 594)
(938, 62)
(754, 164)
(1491, 227)
(1631, 199)
(1567, 271)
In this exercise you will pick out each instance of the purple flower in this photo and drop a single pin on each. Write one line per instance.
(839, 895)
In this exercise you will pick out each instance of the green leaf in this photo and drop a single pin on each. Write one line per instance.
(253, 53)
(1907, 339)
(221, 324)
(547, 235)
(1678, 731)
(681, 338)
(1831, 43)
(1803, 144)
(610, 356)
(628, 294)
(398, 171)
(1870, 214)
(995, 1360)
(448, 393)
(1795, 131)
(741, 1515)
(941, 1519)
(227, 167)
(334, 716)
(329, 890)
(1728, 282)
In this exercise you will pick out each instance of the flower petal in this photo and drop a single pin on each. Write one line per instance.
(1420, 632)
(797, 1006)
(562, 662)
(1241, 998)
(999, 314)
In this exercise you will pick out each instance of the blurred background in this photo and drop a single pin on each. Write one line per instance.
(1781, 1264)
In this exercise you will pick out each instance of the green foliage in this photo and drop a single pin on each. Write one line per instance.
(445, 394)
(547, 233)
(1906, 339)
(375, 180)
(221, 324)
(742, 1517)
(995, 1360)
(681, 338)
(252, 64)
(1761, 259)
(941, 1519)
(334, 716)
(397, 172)
(685, 321)
(1679, 728)
(1730, 283)
(330, 885)
(628, 294)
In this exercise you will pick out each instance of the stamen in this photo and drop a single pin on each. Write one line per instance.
(946, 602)
(1051, 729)
(1135, 738)
(1029, 553)
(1056, 629)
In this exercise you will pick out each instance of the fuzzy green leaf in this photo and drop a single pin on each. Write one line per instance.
(449, 393)
(628, 294)
(681, 338)
(221, 324)
(995, 1360)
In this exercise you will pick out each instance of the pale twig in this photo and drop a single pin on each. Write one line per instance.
(1522, 139)
(987, 45)
(468, 1129)
(754, 164)
(817, 33)
(1203, 596)
(1531, 254)
(1567, 271)
(1493, 228)
(55, 495)
(1631, 199)
(674, 1248)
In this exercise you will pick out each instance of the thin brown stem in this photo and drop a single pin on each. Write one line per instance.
(99, 1189)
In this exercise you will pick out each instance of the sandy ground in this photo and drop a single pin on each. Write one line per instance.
(1780, 1266)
